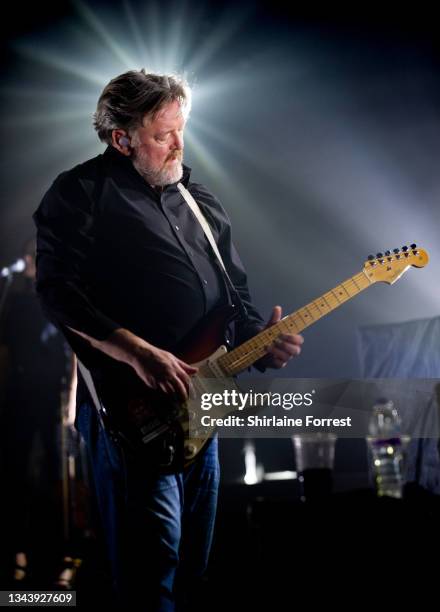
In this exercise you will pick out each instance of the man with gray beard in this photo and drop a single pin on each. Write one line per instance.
(125, 270)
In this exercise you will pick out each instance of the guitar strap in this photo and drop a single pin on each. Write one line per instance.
(88, 380)
(208, 233)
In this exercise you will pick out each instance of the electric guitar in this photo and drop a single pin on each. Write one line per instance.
(158, 430)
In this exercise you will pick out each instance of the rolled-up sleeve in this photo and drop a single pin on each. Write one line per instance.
(65, 222)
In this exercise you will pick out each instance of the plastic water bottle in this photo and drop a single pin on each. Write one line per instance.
(387, 449)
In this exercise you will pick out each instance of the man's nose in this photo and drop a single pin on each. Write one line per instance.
(178, 141)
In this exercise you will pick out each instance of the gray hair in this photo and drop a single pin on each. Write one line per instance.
(131, 96)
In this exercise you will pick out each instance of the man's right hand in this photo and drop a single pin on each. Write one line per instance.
(162, 370)
(158, 369)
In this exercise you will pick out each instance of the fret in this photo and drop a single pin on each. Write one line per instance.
(327, 302)
(336, 297)
(308, 308)
(342, 293)
(349, 295)
(362, 277)
(308, 314)
(291, 324)
(315, 303)
(356, 284)
(302, 318)
(294, 324)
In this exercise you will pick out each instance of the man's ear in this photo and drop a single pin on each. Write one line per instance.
(121, 142)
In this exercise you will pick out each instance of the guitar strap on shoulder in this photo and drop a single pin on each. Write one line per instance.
(203, 222)
(208, 233)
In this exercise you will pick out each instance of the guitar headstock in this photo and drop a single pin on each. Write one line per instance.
(389, 266)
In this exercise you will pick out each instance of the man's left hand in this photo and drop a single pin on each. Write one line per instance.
(285, 346)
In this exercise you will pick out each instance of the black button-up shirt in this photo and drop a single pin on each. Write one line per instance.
(112, 252)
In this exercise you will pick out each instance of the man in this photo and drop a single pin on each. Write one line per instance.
(125, 269)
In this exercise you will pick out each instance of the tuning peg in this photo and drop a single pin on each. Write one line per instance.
(413, 246)
(370, 257)
(404, 248)
(387, 253)
(396, 251)
(379, 255)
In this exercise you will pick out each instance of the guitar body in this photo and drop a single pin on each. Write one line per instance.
(153, 428)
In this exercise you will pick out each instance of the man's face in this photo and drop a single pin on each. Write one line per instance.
(157, 146)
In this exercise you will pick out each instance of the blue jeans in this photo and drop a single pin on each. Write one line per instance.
(158, 529)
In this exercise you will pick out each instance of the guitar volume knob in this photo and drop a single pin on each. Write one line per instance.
(190, 450)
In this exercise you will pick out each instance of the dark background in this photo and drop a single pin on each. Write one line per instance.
(319, 133)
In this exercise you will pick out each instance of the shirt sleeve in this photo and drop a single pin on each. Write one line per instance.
(65, 223)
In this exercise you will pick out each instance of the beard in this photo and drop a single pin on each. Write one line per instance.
(159, 176)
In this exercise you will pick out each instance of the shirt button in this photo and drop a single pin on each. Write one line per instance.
(205, 281)
(177, 227)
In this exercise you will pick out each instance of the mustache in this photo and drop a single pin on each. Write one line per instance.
(176, 155)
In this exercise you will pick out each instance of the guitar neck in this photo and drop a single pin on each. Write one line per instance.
(250, 351)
